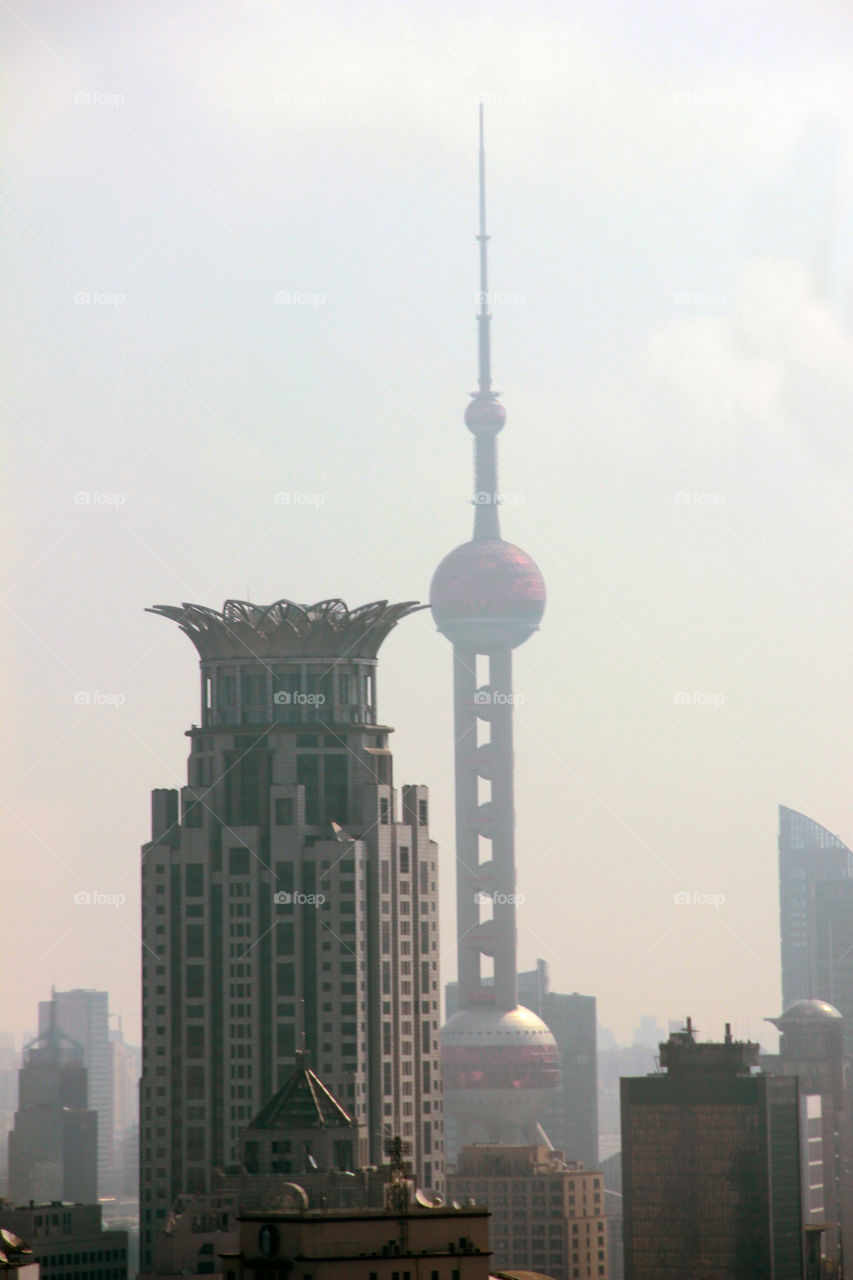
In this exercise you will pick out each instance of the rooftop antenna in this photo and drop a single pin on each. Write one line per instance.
(483, 317)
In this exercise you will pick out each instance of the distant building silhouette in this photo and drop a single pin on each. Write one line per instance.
(83, 1014)
(53, 1148)
(711, 1167)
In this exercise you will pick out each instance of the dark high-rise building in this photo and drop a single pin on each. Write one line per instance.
(84, 1016)
(487, 596)
(285, 901)
(53, 1148)
(711, 1167)
(808, 856)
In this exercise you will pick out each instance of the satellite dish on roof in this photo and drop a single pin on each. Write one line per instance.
(292, 1197)
(14, 1242)
(429, 1199)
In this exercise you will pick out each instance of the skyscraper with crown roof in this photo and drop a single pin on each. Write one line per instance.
(286, 902)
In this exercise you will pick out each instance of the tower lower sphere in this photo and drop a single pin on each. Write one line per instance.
(500, 1069)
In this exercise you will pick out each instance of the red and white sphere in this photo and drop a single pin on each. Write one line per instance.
(500, 1069)
(487, 594)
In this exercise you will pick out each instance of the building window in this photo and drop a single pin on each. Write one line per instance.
(238, 862)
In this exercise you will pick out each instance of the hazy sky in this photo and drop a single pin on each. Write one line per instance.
(239, 260)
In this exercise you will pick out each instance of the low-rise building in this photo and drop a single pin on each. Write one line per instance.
(68, 1240)
(547, 1213)
(413, 1243)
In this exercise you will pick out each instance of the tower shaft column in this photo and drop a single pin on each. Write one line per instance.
(467, 842)
(503, 839)
(486, 518)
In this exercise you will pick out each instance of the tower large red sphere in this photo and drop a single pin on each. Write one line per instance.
(487, 594)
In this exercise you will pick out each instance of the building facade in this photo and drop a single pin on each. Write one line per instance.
(84, 1016)
(126, 1069)
(547, 1213)
(68, 1240)
(830, 928)
(363, 1244)
(711, 1167)
(809, 856)
(571, 1120)
(286, 903)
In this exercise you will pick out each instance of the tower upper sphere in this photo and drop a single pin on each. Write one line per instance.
(485, 415)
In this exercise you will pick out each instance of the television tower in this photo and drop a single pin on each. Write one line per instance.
(500, 1061)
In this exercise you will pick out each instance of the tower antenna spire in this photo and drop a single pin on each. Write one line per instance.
(483, 316)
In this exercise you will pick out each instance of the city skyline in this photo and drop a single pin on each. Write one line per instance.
(278, 303)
